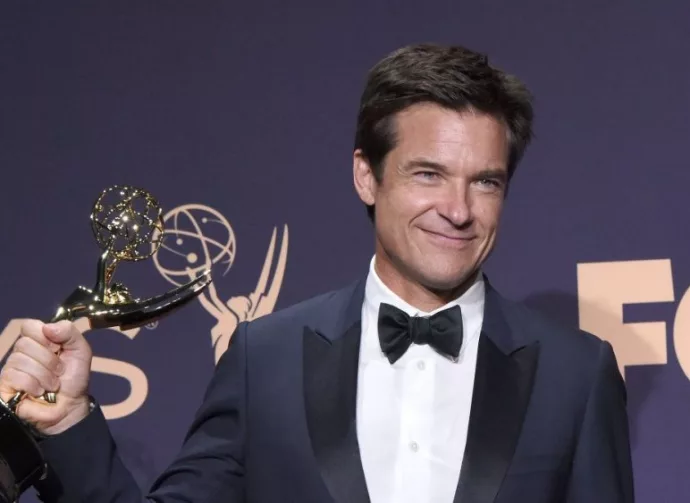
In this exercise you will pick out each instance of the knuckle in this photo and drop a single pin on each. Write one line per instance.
(31, 349)
(31, 327)
(35, 338)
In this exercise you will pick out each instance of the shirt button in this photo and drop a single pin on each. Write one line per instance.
(421, 366)
(414, 446)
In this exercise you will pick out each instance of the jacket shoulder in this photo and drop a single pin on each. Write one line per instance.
(312, 311)
(571, 360)
(564, 345)
(547, 328)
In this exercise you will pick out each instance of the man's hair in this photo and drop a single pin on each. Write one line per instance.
(451, 76)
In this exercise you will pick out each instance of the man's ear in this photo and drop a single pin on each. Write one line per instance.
(365, 181)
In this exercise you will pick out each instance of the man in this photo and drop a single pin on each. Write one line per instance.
(418, 383)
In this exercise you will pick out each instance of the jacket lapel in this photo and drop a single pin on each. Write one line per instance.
(506, 364)
(331, 357)
(503, 384)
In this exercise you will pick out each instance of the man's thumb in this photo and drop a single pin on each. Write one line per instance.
(63, 333)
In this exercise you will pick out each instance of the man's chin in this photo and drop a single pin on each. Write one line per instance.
(444, 284)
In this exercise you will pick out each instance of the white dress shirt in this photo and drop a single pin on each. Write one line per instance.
(412, 416)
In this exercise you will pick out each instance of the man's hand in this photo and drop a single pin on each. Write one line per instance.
(35, 367)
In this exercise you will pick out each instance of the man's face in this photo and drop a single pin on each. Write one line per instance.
(440, 198)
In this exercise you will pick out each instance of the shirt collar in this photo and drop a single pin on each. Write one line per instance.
(471, 301)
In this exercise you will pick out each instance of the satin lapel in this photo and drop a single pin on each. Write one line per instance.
(330, 393)
(503, 384)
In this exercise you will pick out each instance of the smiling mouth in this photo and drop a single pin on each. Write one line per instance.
(458, 241)
(446, 236)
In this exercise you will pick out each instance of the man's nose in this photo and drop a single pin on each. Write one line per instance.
(455, 206)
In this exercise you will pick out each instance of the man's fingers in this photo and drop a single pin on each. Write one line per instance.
(21, 381)
(27, 365)
(33, 329)
(40, 353)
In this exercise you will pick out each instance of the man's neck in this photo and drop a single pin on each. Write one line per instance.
(414, 293)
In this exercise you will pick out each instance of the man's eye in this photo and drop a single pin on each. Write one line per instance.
(429, 175)
(491, 183)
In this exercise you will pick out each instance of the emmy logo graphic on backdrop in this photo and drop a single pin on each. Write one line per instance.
(198, 238)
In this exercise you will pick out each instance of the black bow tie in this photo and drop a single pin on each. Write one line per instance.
(397, 331)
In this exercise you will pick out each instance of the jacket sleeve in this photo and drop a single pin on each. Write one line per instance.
(602, 464)
(84, 465)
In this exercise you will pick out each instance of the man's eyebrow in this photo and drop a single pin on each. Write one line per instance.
(421, 162)
(499, 173)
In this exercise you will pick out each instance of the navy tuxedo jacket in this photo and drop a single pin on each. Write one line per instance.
(548, 419)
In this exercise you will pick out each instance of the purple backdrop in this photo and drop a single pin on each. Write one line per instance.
(248, 111)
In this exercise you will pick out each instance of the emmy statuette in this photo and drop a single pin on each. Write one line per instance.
(128, 226)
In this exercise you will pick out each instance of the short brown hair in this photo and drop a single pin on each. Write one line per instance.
(451, 76)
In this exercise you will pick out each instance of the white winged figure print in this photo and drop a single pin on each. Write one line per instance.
(247, 307)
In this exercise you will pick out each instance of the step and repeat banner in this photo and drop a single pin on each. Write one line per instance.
(239, 119)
